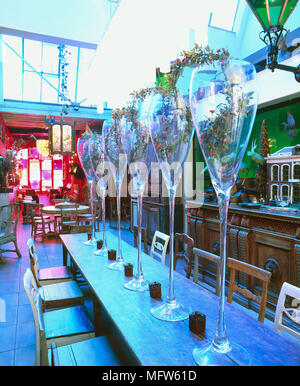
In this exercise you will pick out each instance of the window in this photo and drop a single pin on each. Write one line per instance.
(275, 172)
(285, 173)
(224, 17)
(274, 192)
(31, 71)
(285, 191)
(297, 172)
(296, 193)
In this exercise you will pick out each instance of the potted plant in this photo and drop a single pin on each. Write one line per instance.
(7, 164)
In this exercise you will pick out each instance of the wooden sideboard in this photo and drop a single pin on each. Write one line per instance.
(155, 215)
(266, 237)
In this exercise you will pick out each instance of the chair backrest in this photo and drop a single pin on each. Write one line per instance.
(159, 246)
(211, 257)
(60, 200)
(11, 222)
(144, 237)
(68, 214)
(293, 313)
(34, 262)
(80, 229)
(256, 272)
(187, 254)
(33, 295)
(36, 212)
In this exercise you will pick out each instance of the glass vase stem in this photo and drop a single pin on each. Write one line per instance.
(139, 208)
(103, 219)
(118, 186)
(220, 341)
(171, 291)
(92, 209)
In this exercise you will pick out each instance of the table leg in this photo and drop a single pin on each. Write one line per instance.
(65, 255)
(97, 316)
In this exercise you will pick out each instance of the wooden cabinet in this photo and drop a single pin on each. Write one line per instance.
(266, 237)
(155, 216)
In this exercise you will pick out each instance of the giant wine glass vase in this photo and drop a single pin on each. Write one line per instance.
(83, 154)
(171, 131)
(136, 141)
(223, 100)
(117, 163)
(100, 169)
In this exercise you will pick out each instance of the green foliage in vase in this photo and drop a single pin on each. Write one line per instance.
(216, 137)
(197, 56)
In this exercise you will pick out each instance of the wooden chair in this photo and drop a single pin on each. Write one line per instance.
(47, 276)
(211, 257)
(86, 218)
(64, 326)
(159, 246)
(40, 222)
(59, 295)
(80, 228)
(292, 313)
(255, 272)
(68, 218)
(187, 254)
(144, 237)
(10, 228)
(92, 352)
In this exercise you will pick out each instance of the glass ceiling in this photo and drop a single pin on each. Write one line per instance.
(223, 13)
(31, 71)
(31, 68)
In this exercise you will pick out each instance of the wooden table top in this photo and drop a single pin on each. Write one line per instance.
(158, 343)
(52, 209)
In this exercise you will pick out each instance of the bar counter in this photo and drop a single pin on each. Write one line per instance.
(267, 237)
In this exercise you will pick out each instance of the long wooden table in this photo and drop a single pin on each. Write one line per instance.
(149, 341)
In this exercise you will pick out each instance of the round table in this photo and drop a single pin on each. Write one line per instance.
(52, 209)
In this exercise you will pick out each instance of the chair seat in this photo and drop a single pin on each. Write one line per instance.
(53, 273)
(67, 322)
(65, 294)
(92, 352)
(39, 218)
(45, 221)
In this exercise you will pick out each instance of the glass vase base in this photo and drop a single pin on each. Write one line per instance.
(137, 284)
(208, 355)
(117, 265)
(101, 252)
(170, 312)
(90, 243)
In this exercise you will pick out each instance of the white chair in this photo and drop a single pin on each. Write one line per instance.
(63, 326)
(292, 313)
(159, 246)
(50, 275)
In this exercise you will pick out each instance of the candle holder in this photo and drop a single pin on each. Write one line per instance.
(197, 322)
(128, 270)
(155, 290)
(112, 254)
(99, 244)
